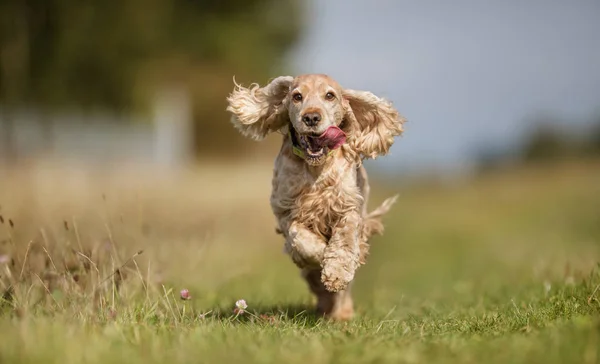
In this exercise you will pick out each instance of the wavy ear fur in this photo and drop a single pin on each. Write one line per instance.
(374, 122)
(258, 111)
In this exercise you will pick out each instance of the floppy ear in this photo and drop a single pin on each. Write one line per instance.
(258, 111)
(374, 122)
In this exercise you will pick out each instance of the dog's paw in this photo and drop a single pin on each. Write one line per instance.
(336, 278)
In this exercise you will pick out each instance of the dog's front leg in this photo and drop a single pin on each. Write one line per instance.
(341, 256)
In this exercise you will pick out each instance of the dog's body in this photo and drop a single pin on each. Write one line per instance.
(320, 188)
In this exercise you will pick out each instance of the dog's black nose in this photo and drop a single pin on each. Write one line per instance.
(311, 118)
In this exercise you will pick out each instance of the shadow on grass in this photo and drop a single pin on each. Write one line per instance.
(298, 313)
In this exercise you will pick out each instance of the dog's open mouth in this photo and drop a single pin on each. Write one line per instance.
(316, 147)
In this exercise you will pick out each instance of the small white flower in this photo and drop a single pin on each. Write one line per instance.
(240, 306)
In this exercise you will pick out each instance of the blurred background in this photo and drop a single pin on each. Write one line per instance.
(114, 135)
(145, 81)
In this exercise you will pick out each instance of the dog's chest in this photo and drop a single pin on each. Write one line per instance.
(319, 203)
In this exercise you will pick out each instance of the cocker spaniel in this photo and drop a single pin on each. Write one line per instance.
(320, 188)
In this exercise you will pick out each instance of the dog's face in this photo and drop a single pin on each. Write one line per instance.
(317, 108)
(314, 104)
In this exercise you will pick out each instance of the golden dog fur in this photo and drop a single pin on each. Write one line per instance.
(321, 205)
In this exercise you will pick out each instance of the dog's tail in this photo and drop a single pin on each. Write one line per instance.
(372, 223)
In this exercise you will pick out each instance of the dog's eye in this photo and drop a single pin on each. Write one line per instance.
(297, 97)
(329, 96)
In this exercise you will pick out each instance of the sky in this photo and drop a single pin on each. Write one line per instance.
(467, 74)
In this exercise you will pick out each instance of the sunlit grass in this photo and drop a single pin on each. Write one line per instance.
(501, 268)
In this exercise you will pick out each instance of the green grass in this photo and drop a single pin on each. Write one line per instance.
(502, 268)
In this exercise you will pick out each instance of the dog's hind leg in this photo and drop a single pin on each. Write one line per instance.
(333, 305)
(371, 223)
(362, 181)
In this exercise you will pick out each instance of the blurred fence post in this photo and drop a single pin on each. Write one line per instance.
(173, 132)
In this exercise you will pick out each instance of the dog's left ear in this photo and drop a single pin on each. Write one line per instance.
(374, 122)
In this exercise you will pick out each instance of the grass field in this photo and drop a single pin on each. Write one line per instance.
(499, 269)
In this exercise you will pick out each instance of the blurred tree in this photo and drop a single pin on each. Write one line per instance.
(545, 143)
(59, 54)
(595, 138)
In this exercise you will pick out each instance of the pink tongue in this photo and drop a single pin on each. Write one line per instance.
(333, 137)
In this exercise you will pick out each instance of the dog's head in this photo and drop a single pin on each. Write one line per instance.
(320, 113)
(316, 111)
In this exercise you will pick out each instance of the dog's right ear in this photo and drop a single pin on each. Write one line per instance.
(258, 111)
